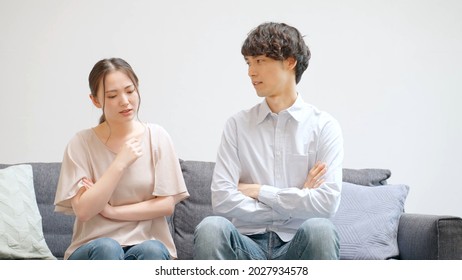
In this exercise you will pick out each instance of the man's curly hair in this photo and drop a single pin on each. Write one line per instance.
(278, 41)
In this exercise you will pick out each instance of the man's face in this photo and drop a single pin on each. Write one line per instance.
(270, 77)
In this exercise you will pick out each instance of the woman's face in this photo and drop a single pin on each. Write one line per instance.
(120, 97)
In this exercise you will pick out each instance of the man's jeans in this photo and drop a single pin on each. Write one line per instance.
(109, 249)
(216, 238)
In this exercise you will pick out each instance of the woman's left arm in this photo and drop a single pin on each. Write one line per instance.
(146, 210)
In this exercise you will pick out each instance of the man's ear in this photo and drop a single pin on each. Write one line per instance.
(95, 101)
(291, 63)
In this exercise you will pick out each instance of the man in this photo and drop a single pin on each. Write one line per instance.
(278, 172)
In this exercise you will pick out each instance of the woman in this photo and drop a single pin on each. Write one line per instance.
(120, 178)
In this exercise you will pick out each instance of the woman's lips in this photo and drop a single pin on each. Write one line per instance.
(126, 112)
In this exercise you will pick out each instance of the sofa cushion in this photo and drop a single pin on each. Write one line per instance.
(57, 228)
(20, 219)
(366, 177)
(367, 221)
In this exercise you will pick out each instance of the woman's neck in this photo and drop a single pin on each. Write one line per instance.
(119, 131)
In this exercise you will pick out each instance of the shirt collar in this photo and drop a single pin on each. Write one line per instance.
(263, 112)
(296, 110)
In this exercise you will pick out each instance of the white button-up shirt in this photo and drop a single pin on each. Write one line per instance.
(277, 151)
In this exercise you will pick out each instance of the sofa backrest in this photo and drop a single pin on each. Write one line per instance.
(190, 212)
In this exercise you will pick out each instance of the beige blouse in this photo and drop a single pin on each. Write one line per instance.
(156, 173)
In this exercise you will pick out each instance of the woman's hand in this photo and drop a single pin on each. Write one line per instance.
(87, 183)
(130, 151)
(107, 212)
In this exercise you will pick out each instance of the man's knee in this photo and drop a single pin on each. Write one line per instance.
(318, 227)
(212, 225)
(210, 237)
(320, 240)
(319, 231)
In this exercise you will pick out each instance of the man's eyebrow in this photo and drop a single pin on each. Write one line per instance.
(248, 58)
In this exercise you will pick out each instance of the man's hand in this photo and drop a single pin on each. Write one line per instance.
(315, 176)
(250, 190)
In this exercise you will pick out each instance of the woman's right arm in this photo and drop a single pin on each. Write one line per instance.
(90, 201)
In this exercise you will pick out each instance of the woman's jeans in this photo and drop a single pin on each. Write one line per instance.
(216, 238)
(109, 249)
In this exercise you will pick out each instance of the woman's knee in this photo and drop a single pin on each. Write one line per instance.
(105, 248)
(153, 245)
(105, 242)
(148, 250)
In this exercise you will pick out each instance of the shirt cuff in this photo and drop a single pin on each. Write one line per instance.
(268, 195)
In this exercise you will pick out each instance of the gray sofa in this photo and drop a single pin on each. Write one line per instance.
(417, 236)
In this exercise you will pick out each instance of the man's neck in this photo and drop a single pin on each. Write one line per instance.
(281, 102)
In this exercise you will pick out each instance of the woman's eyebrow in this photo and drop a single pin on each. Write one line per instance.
(112, 90)
(115, 90)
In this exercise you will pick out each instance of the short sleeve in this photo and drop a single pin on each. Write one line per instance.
(74, 168)
(168, 180)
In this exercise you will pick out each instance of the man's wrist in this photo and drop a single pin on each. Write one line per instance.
(256, 191)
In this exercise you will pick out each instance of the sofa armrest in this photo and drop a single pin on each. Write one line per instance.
(430, 237)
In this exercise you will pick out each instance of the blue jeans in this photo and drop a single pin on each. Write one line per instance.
(108, 249)
(216, 238)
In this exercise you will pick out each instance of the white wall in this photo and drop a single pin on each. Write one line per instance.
(389, 71)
